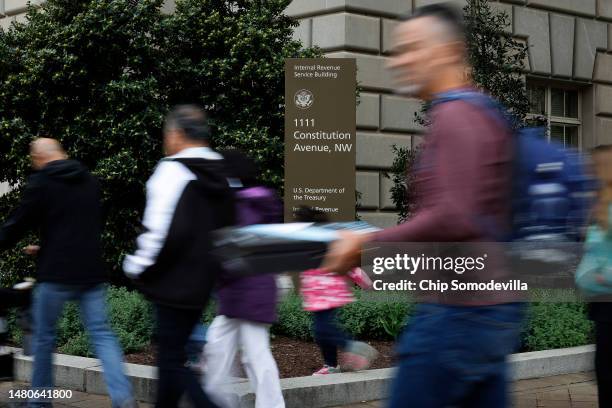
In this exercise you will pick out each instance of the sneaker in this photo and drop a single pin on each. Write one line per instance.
(358, 356)
(360, 278)
(328, 370)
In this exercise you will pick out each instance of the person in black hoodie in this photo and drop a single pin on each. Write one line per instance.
(62, 202)
(188, 196)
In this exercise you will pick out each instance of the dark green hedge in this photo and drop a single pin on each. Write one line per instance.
(551, 325)
(99, 75)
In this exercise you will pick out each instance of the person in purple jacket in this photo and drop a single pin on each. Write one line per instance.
(247, 305)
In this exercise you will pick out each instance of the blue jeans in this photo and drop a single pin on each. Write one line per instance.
(196, 343)
(455, 356)
(329, 335)
(48, 304)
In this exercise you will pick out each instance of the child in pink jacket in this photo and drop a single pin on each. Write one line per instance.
(324, 293)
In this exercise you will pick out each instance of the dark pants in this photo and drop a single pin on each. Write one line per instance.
(603, 362)
(453, 356)
(329, 335)
(10, 298)
(174, 326)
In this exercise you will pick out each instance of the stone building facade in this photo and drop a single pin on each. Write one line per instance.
(569, 73)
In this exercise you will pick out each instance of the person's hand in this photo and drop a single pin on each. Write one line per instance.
(31, 250)
(345, 253)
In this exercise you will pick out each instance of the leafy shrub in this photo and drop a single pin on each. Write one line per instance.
(293, 321)
(70, 332)
(77, 345)
(375, 316)
(100, 75)
(131, 317)
(557, 325)
(371, 317)
(394, 319)
(403, 192)
(375, 319)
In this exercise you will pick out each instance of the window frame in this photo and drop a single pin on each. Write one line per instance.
(558, 120)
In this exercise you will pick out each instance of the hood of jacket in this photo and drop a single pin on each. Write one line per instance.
(70, 171)
(211, 175)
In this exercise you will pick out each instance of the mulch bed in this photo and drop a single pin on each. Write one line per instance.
(295, 358)
(146, 357)
(298, 358)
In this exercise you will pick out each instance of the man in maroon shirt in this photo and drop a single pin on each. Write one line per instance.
(453, 353)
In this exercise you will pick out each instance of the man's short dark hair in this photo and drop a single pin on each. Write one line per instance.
(191, 119)
(446, 13)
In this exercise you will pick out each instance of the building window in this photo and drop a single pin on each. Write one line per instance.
(560, 108)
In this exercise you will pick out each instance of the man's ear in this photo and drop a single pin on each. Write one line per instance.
(453, 53)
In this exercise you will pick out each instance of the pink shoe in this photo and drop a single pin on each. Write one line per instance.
(328, 370)
(360, 278)
(358, 356)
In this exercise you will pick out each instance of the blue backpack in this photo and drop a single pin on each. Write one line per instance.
(551, 190)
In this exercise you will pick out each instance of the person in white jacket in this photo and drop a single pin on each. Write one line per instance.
(188, 196)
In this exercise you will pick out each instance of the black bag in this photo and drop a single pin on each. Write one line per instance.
(243, 254)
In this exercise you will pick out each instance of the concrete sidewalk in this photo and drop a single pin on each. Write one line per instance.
(563, 391)
(78, 400)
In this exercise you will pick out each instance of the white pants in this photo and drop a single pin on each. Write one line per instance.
(224, 338)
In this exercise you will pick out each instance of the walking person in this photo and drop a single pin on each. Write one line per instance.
(452, 354)
(188, 196)
(62, 202)
(592, 275)
(246, 305)
(324, 293)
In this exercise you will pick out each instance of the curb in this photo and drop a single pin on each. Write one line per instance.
(547, 363)
(85, 374)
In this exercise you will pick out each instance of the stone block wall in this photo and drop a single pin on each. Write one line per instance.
(569, 41)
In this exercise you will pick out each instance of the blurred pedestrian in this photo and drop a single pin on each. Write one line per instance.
(452, 354)
(592, 275)
(246, 305)
(188, 196)
(62, 202)
(324, 293)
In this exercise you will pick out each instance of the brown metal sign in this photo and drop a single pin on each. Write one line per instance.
(320, 145)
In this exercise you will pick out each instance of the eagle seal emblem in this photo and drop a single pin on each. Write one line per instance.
(303, 99)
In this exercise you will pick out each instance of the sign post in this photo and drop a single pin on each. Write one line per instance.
(320, 145)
